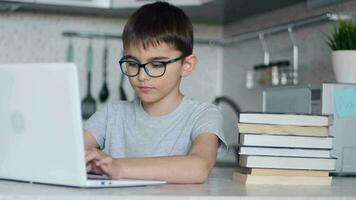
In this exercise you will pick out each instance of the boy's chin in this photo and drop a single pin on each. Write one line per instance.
(147, 98)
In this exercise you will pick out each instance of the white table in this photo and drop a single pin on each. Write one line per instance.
(219, 186)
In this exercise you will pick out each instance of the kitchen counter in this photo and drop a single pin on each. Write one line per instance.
(219, 186)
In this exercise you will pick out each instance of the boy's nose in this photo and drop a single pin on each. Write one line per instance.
(142, 75)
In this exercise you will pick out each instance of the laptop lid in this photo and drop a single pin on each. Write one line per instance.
(41, 137)
(41, 134)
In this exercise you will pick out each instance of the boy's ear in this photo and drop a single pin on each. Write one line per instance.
(189, 64)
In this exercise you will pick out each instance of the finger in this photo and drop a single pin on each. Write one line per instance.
(94, 169)
(92, 156)
(106, 169)
(89, 167)
(106, 160)
(88, 151)
(97, 170)
(106, 165)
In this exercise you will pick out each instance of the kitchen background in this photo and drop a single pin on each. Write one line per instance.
(35, 35)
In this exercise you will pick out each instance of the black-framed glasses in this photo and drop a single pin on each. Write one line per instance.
(154, 69)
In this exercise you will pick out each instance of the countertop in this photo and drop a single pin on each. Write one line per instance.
(218, 186)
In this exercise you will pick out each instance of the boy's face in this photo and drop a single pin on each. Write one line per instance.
(153, 89)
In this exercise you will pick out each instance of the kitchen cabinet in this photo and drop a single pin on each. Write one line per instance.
(23, 1)
(107, 4)
(80, 3)
(138, 3)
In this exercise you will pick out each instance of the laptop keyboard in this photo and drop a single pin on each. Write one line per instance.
(97, 177)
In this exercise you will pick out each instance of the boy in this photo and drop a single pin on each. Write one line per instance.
(161, 135)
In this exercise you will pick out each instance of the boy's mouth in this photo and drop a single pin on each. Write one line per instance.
(144, 89)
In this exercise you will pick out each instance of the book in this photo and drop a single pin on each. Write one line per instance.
(319, 131)
(285, 141)
(284, 162)
(282, 180)
(281, 172)
(285, 119)
(294, 152)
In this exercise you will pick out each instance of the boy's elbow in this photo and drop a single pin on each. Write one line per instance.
(203, 176)
(203, 171)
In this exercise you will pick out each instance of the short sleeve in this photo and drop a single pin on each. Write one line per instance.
(210, 120)
(96, 125)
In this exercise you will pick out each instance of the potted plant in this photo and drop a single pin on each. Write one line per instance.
(342, 41)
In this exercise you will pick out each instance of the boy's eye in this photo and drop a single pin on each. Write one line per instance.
(131, 63)
(157, 64)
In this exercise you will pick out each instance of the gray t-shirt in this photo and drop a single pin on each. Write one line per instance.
(124, 129)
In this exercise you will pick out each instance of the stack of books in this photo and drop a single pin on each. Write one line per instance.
(289, 149)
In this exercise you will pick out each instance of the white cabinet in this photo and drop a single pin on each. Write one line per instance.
(138, 3)
(21, 1)
(80, 3)
(107, 4)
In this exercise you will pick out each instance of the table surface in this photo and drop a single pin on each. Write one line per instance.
(219, 186)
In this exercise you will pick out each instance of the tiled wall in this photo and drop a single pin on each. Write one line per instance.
(33, 37)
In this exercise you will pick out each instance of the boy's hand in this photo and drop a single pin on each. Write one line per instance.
(100, 163)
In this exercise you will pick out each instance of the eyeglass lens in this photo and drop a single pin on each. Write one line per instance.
(154, 69)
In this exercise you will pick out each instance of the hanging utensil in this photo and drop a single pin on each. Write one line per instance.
(88, 103)
(70, 51)
(104, 92)
(295, 56)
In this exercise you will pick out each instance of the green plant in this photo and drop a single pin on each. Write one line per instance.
(343, 37)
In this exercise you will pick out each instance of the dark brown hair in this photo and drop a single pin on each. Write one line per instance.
(159, 22)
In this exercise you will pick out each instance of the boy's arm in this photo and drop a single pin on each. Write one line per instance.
(192, 168)
(89, 141)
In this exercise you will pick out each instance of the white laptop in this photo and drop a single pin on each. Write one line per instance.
(41, 139)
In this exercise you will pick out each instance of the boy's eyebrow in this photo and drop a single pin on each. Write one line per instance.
(130, 56)
(158, 58)
(149, 59)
